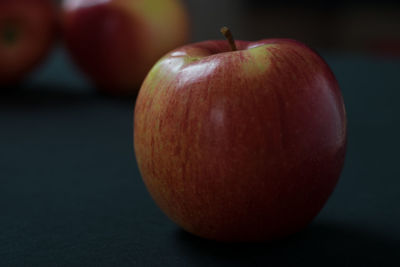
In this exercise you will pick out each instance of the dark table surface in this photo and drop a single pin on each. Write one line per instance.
(71, 193)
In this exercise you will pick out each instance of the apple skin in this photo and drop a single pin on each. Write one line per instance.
(116, 42)
(27, 31)
(241, 146)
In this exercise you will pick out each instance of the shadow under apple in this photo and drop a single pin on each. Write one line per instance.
(321, 244)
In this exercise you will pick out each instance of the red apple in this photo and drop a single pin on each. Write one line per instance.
(240, 145)
(27, 30)
(116, 42)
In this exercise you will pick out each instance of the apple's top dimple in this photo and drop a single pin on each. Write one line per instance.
(9, 34)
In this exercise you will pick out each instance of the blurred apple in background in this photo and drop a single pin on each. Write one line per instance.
(116, 42)
(27, 30)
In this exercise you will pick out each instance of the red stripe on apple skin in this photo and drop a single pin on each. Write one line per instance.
(106, 41)
(234, 155)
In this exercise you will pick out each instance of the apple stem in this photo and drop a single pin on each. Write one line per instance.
(9, 34)
(228, 35)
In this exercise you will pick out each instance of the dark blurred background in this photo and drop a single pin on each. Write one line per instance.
(70, 189)
(335, 25)
(369, 28)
